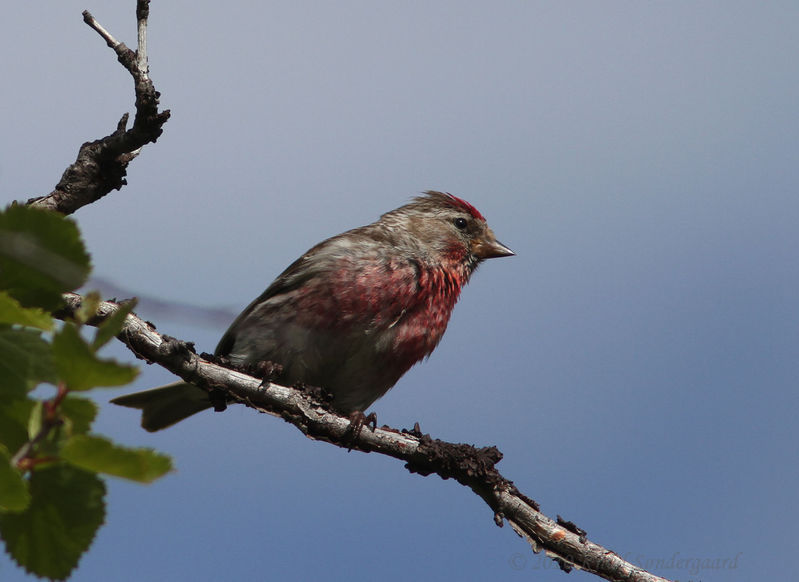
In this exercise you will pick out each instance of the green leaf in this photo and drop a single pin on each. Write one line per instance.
(88, 306)
(14, 415)
(67, 508)
(12, 312)
(49, 442)
(41, 256)
(35, 419)
(80, 414)
(25, 360)
(96, 453)
(14, 495)
(77, 365)
(113, 325)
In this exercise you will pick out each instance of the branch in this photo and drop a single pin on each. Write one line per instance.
(102, 164)
(24, 459)
(468, 465)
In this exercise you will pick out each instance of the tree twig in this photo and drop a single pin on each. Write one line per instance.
(468, 465)
(25, 459)
(101, 165)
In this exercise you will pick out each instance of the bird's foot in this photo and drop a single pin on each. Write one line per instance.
(357, 421)
(267, 371)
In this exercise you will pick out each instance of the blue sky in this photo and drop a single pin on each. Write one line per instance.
(636, 361)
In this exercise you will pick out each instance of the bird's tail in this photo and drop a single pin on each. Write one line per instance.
(164, 406)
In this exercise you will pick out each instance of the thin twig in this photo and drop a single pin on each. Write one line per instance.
(142, 13)
(50, 419)
(92, 22)
(470, 466)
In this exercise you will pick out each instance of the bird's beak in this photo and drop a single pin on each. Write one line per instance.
(488, 247)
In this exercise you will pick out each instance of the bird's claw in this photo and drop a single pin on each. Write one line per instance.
(267, 371)
(357, 421)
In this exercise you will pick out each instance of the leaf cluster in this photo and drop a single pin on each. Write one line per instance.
(52, 495)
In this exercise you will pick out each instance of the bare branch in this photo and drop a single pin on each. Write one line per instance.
(142, 13)
(102, 164)
(112, 42)
(470, 466)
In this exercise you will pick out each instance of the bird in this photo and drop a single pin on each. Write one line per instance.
(353, 313)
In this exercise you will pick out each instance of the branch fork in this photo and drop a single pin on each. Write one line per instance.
(101, 165)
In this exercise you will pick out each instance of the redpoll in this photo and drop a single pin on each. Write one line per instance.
(355, 312)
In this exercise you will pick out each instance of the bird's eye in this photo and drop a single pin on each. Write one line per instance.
(460, 223)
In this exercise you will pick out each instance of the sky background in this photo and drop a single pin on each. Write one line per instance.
(636, 362)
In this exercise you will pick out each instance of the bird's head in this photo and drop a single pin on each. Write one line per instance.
(448, 228)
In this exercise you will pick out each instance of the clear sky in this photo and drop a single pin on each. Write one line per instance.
(637, 362)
